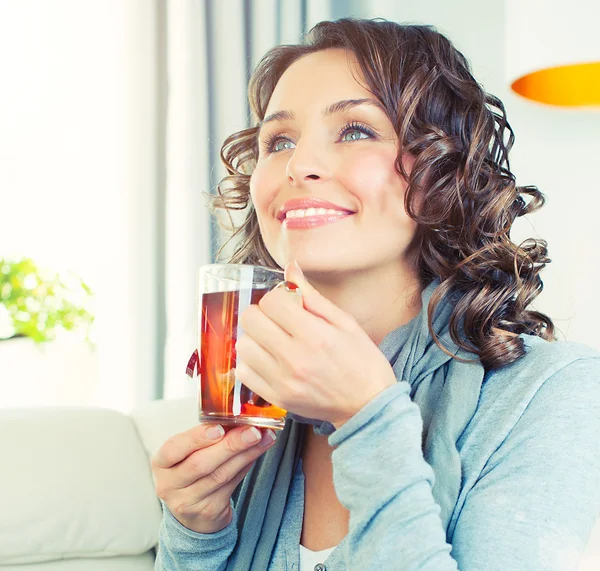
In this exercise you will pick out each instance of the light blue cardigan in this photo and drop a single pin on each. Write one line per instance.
(530, 486)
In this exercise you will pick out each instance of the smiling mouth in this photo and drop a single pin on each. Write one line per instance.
(308, 212)
(299, 219)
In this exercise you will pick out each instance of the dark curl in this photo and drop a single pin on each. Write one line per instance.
(460, 191)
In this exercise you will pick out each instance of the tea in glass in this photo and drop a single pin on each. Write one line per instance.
(225, 291)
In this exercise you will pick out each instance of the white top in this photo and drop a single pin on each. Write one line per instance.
(308, 558)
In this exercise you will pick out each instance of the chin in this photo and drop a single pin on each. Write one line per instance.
(322, 268)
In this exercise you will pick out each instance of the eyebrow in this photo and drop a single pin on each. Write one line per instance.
(337, 107)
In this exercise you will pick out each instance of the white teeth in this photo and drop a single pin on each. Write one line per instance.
(299, 213)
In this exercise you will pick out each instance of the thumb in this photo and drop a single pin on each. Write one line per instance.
(313, 301)
(294, 274)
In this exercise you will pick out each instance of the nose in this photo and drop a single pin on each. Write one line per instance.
(307, 165)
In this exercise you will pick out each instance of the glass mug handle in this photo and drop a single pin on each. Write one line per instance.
(192, 367)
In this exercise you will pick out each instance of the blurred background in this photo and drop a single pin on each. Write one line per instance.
(112, 113)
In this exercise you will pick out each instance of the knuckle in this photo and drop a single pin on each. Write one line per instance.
(196, 465)
(322, 343)
(295, 394)
(229, 443)
(235, 444)
(209, 510)
(179, 508)
(299, 370)
(160, 490)
(219, 476)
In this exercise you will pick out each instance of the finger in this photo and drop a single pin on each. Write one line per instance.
(257, 384)
(214, 504)
(181, 445)
(257, 357)
(262, 329)
(313, 301)
(230, 470)
(245, 444)
(284, 311)
(224, 492)
(195, 501)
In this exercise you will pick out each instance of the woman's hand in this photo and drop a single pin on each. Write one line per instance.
(195, 472)
(308, 356)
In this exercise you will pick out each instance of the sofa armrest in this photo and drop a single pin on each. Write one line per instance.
(157, 420)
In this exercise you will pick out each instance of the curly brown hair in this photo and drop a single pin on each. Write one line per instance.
(460, 138)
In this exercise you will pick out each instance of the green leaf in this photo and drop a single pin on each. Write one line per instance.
(40, 302)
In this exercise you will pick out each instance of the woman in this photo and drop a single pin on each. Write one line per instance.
(433, 425)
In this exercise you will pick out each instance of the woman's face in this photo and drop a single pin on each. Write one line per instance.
(325, 189)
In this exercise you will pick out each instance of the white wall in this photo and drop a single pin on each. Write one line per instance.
(556, 150)
(78, 175)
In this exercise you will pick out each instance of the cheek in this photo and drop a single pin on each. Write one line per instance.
(261, 191)
(374, 180)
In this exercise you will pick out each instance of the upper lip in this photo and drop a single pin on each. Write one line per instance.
(304, 203)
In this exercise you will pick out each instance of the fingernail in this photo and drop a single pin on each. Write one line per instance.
(269, 437)
(251, 435)
(215, 432)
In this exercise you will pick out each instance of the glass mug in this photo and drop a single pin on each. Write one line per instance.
(224, 292)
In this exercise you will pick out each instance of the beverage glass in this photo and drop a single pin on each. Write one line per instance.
(224, 292)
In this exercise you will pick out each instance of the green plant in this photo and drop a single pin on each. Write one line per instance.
(39, 303)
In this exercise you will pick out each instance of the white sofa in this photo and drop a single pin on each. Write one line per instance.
(76, 490)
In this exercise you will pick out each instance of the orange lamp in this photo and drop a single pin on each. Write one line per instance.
(553, 51)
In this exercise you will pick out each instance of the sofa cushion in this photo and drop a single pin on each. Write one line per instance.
(76, 482)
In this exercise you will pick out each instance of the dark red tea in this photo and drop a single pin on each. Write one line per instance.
(218, 335)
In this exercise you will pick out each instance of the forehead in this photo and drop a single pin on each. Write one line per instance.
(320, 78)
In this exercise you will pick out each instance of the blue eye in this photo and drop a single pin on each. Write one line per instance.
(348, 133)
(276, 143)
(355, 135)
(355, 132)
(281, 144)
